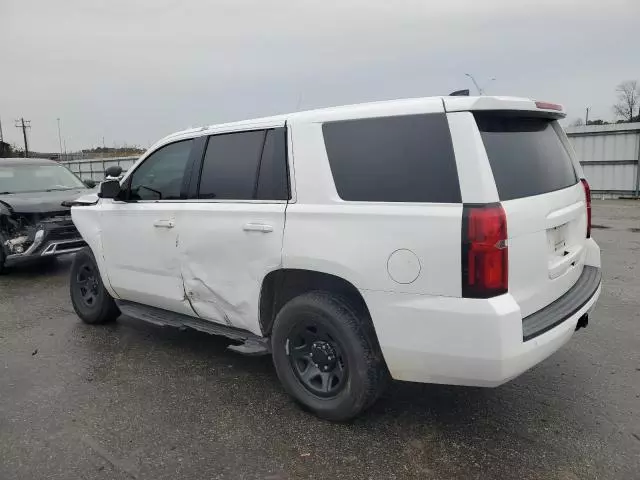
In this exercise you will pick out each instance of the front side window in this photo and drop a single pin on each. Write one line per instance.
(160, 176)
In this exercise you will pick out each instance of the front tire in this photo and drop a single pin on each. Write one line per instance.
(326, 356)
(90, 299)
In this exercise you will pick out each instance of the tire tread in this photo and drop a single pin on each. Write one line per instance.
(359, 323)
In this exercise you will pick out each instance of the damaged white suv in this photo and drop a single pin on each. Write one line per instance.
(442, 240)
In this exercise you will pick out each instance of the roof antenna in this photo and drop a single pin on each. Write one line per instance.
(460, 93)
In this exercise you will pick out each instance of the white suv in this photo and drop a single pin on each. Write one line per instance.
(442, 240)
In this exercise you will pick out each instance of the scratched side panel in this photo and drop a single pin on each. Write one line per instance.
(223, 264)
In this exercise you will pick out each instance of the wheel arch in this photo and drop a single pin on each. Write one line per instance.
(280, 286)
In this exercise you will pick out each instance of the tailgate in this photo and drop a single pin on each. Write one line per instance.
(539, 186)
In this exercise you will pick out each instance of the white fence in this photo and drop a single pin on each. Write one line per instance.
(93, 168)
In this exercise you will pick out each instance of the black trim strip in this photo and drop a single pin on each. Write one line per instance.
(257, 180)
(286, 159)
(197, 151)
(163, 317)
(564, 307)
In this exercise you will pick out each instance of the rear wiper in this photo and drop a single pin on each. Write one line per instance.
(58, 189)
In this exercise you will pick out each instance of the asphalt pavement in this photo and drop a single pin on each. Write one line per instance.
(131, 400)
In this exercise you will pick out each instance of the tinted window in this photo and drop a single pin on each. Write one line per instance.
(160, 176)
(273, 181)
(393, 159)
(230, 166)
(526, 155)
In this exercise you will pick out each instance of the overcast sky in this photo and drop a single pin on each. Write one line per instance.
(132, 71)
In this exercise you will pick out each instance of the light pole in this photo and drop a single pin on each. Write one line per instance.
(59, 139)
(480, 90)
(475, 83)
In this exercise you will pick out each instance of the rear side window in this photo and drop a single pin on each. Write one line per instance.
(273, 180)
(526, 155)
(230, 166)
(245, 166)
(393, 159)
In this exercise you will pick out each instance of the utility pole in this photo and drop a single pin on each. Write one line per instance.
(24, 125)
(59, 138)
(586, 117)
(1, 137)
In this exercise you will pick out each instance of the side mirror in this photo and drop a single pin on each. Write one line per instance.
(89, 183)
(109, 189)
(113, 171)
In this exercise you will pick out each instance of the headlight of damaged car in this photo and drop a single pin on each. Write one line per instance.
(18, 232)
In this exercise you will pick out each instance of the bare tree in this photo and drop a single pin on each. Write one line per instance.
(628, 100)
(577, 122)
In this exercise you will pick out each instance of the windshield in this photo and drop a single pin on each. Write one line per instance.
(37, 178)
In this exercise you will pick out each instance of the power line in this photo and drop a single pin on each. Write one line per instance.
(24, 124)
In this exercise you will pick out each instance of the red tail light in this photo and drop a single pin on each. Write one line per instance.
(587, 195)
(485, 253)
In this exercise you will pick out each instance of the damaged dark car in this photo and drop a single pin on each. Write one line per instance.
(35, 217)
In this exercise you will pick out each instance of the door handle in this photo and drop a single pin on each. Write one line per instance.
(164, 224)
(257, 227)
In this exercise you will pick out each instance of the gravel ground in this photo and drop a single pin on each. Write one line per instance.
(131, 400)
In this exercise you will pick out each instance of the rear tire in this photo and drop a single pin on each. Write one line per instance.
(327, 357)
(90, 299)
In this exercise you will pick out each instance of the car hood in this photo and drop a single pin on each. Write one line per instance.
(41, 202)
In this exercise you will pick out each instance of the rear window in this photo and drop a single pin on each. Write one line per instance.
(393, 159)
(526, 155)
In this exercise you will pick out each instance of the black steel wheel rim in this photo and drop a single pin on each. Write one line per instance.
(88, 285)
(317, 359)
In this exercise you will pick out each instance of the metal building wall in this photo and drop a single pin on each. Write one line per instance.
(609, 156)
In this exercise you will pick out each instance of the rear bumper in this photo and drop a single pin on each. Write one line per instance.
(564, 307)
(461, 341)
